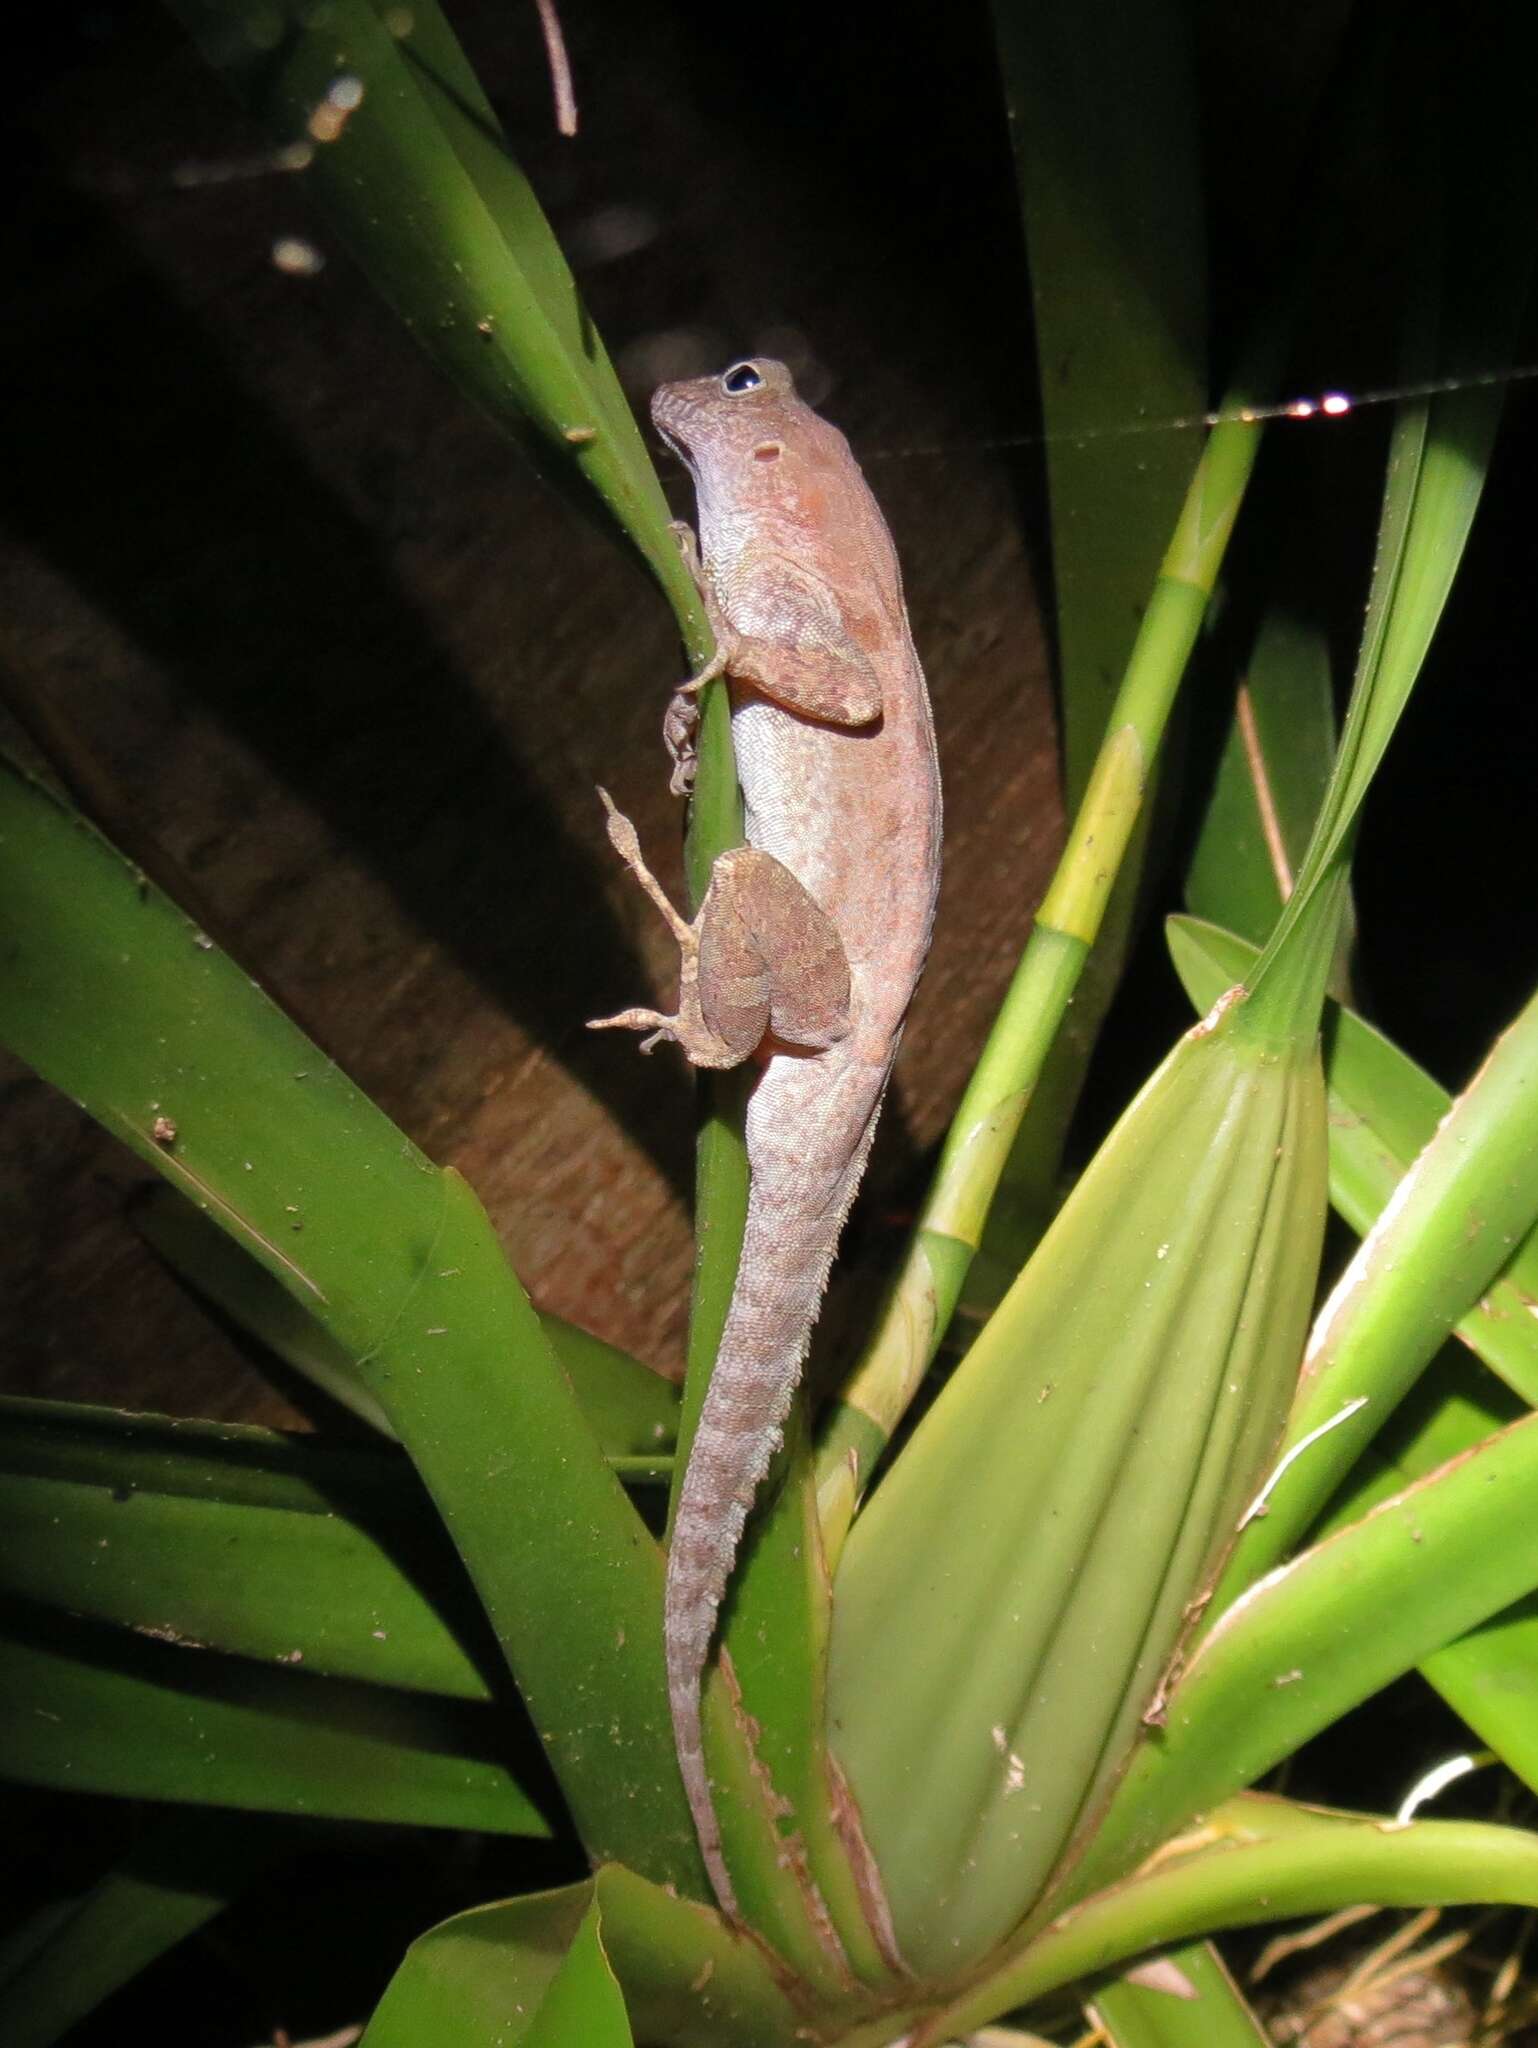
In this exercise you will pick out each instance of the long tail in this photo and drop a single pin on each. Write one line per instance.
(804, 1175)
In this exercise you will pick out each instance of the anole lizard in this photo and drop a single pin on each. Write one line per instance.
(810, 938)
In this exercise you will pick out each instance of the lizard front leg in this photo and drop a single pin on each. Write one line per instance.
(760, 960)
(779, 627)
(681, 720)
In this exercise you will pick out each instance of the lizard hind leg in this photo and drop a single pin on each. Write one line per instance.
(703, 1046)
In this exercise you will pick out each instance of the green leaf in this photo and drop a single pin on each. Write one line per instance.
(1271, 778)
(88, 1708)
(531, 1970)
(1055, 1511)
(1490, 1675)
(1258, 1859)
(583, 2006)
(1384, 1110)
(1325, 1632)
(112, 995)
(1466, 303)
(1106, 159)
(406, 157)
(512, 1972)
(234, 1538)
(1184, 1998)
(631, 1411)
(1107, 164)
(1469, 1198)
(185, 1868)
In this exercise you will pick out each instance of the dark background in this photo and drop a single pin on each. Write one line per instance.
(322, 645)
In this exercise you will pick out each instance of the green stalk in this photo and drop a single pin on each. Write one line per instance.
(1107, 165)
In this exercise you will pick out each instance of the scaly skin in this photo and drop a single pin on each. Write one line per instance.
(835, 753)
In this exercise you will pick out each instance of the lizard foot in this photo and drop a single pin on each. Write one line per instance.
(679, 728)
(667, 1028)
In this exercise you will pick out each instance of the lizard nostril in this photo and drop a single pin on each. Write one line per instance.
(768, 451)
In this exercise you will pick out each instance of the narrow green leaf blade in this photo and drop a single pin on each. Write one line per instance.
(1384, 1111)
(1462, 107)
(1490, 1675)
(569, 1576)
(234, 1538)
(1469, 1198)
(186, 1868)
(1107, 164)
(1270, 782)
(405, 155)
(88, 1708)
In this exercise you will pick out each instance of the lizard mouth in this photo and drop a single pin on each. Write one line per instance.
(670, 441)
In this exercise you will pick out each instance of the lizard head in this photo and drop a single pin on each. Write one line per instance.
(729, 414)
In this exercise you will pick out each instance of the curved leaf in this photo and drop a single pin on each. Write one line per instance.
(395, 138)
(533, 1970)
(1449, 1228)
(514, 1971)
(1258, 1859)
(1384, 1111)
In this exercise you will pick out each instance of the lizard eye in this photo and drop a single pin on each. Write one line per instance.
(739, 378)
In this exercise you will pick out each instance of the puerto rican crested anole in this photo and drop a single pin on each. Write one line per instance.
(809, 939)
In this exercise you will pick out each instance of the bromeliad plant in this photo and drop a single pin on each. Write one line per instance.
(1045, 1657)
